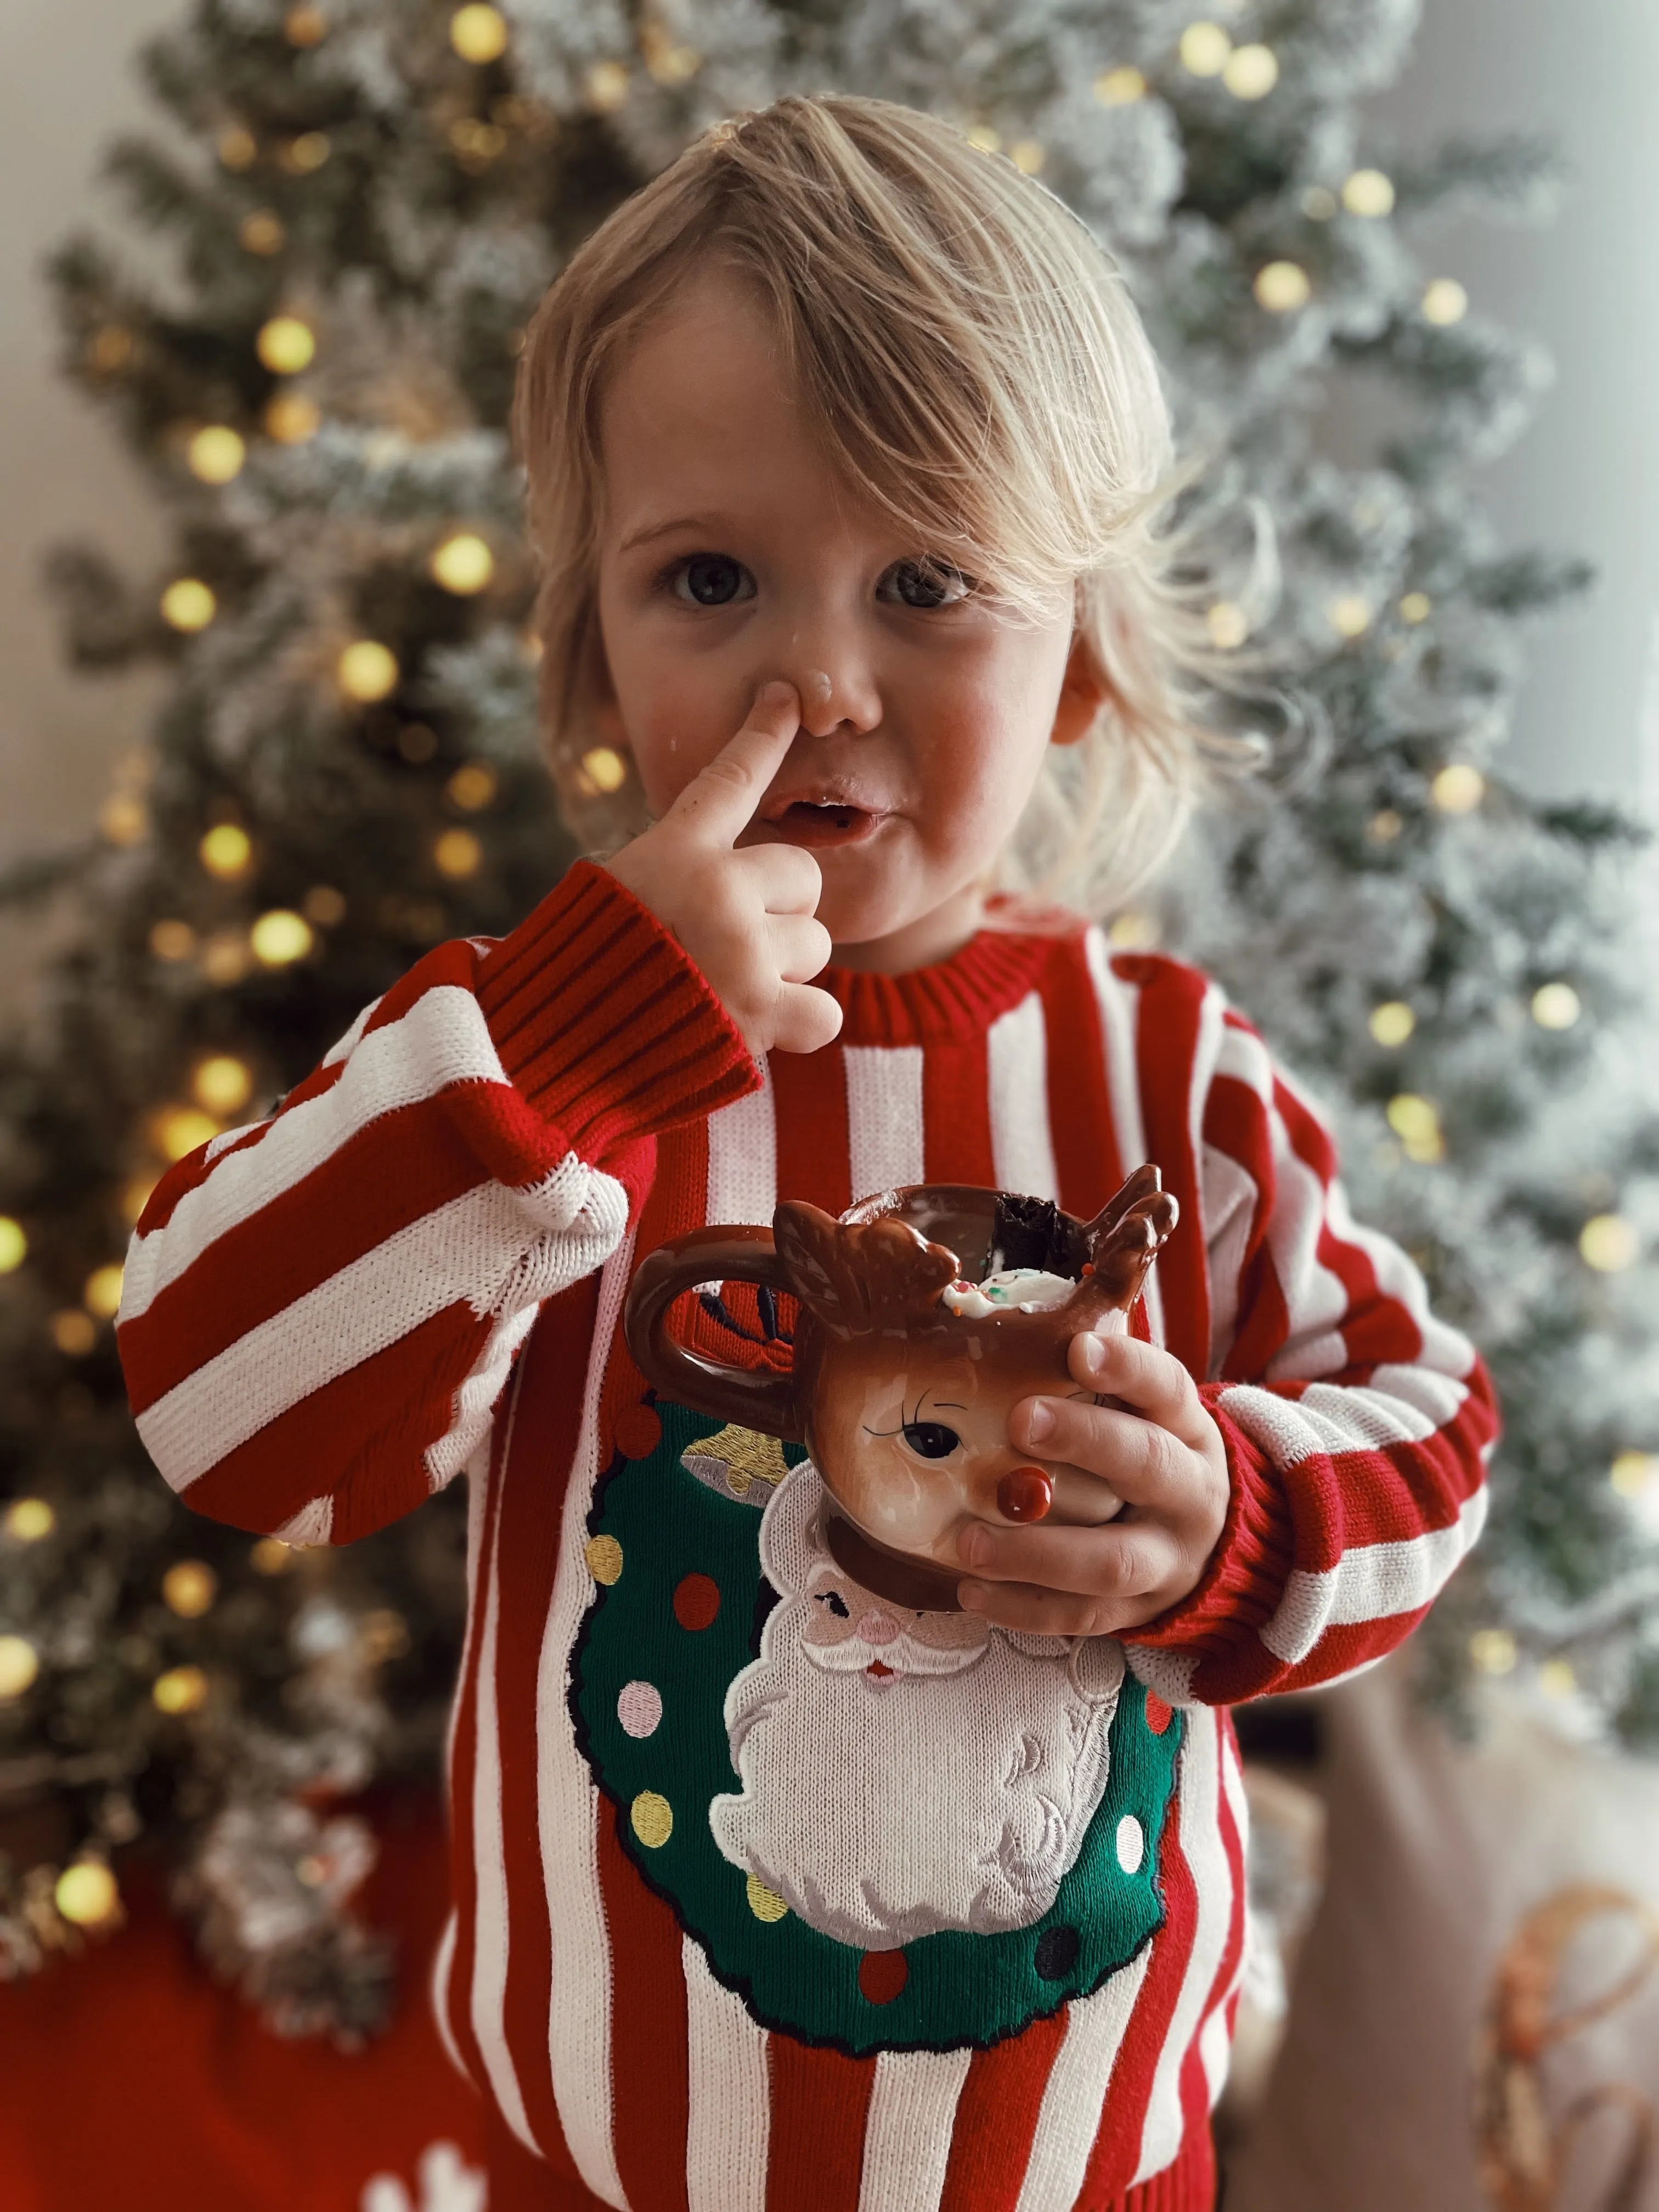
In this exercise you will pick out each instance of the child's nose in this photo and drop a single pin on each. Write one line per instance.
(833, 678)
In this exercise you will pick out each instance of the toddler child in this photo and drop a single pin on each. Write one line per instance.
(842, 437)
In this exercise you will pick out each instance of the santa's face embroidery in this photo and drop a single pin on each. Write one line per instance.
(901, 1773)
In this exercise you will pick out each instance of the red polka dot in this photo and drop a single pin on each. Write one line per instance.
(696, 1601)
(638, 1432)
(881, 1975)
(1158, 1715)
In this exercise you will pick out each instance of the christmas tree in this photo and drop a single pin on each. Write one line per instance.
(365, 201)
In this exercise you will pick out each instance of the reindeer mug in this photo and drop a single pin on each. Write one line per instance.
(925, 1314)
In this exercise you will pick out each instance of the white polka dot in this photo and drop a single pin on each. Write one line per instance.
(639, 1708)
(1131, 1844)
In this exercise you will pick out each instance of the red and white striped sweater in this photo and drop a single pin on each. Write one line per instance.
(416, 1267)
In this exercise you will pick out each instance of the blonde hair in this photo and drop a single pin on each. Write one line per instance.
(979, 373)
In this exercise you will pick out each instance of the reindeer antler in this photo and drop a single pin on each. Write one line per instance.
(880, 1279)
(1123, 1240)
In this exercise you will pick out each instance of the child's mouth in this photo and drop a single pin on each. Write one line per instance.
(816, 823)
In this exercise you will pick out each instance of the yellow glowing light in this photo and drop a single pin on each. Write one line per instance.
(368, 670)
(477, 143)
(217, 454)
(1416, 1121)
(74, 1333)
(291, 419)
(1392, 1022)
(324, 905)
(1445, 301)
(124, 818)
(271, 1556)
(180, 1690)
(20, 1663)
(1384, 827)
(261, 231)
(1556, 1678)
(227, 852)
(112, 348)
(1349, 615)
(1556, 1005)
(1369, 192)
(286, 345)
(607, 771)
(463, 564)
(1120, 87)
(472, 787)
(101, 1292)
(189, 1588)
(1204, 49)
(1282, 287)
(1228, 625)
(1633, 1473)
(1028, 155)
(188, 604)
(1458, 788)
(280, 937)
(1132, 931)
(306, 153)
(87, 1895)
(457, 853)
(1493, 1651)
(238, 149)
(607, 87)
(13, 1245)
(1320, 203)
(478, 33)
(177, 1131)
(28, 1519)
(1250, 72)
(136, 1195)
(222, 1084)
(1416, 607)
(667, 60)
(304, 26)
(225, 956)
(985, 139)
(1609, 1244)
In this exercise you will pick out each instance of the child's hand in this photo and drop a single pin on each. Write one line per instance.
(748, 918)
(1167, 1461)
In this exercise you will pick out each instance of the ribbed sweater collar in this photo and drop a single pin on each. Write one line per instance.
(949, 1003)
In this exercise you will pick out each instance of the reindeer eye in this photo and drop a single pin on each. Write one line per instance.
(836, 1603)
(930, 1439)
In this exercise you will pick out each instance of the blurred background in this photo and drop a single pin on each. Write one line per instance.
(1453, 2001)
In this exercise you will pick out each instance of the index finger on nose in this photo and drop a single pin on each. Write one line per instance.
(721, 801)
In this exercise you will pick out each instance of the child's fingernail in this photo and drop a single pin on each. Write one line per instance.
(973, 1546)
(1094, 1354)
(972, 1596)
(1039, 1420)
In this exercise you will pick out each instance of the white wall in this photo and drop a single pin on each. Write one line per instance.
(66, 83)
(1586, 477)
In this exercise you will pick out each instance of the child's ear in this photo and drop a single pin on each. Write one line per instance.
(1082, 695)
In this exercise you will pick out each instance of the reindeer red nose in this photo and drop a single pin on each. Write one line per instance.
(1025, 1494)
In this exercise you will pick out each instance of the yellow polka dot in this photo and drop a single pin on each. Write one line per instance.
(604, 1558)
(765, 1904)
(653, 1818)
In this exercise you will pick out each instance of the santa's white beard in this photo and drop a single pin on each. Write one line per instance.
(883, 1811)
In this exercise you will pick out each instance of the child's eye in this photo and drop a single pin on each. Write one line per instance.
(930, 1439)
(711, 580)
(926, 583)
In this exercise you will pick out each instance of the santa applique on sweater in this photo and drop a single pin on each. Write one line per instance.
(768, 1894)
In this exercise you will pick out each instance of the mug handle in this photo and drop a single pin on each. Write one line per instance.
(754, 1397)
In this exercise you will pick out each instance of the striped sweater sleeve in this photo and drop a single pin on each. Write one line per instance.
(320, 1311)
(1357, 1426)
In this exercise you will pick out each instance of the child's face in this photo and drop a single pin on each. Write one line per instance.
(730, 555)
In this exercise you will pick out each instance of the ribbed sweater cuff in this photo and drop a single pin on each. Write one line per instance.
(1252, 1561)
(603, 1022)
